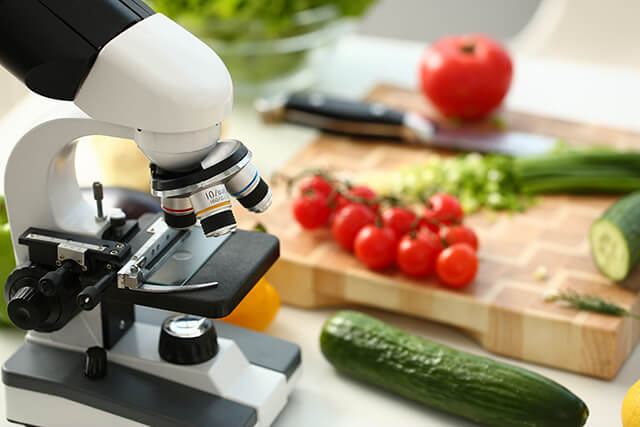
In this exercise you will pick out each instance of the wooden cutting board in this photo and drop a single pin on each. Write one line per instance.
(503, 309)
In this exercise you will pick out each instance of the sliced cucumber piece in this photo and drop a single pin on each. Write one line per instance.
(609, 249)
(615, 238)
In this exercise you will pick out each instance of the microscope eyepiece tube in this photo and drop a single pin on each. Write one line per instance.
(212, 207)
(250, 189)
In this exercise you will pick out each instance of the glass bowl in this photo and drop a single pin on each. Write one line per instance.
(261, 65)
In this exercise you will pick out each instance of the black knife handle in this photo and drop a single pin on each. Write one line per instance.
(341, 109)
(344, 116)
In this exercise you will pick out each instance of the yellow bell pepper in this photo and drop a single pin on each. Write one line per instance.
(258, 308)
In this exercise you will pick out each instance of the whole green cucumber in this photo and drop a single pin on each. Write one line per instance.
(473, 387)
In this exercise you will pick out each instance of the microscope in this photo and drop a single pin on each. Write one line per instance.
(118, 310)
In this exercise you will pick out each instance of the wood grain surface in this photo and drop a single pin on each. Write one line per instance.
(503, 308)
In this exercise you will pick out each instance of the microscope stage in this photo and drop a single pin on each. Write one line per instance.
(237, 264)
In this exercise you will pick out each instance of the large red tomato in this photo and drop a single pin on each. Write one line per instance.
(465, 76)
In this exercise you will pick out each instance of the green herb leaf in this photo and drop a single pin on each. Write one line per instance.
(590, 303)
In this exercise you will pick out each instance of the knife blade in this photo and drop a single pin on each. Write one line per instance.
(356, 118)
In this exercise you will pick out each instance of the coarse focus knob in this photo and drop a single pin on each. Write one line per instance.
(95, 363)
(187, 340)
(28, 308)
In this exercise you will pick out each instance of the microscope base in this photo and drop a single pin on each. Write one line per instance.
(45, 386)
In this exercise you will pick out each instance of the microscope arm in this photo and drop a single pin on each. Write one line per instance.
(48, 195)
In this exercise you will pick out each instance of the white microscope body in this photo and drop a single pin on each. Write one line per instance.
(159, 85)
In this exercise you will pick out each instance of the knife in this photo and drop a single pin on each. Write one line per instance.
(377, 120)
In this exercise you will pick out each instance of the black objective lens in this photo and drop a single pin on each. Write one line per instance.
(256, 196)
(178, 212)
(179, 221)
(218, 224)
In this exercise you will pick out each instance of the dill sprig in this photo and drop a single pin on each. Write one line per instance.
(589, 303)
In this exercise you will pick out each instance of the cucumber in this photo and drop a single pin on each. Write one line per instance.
(615, 238)
(473, 387)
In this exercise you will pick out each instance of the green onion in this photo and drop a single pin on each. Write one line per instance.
(503, 183)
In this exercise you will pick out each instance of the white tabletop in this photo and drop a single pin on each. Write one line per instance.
(601, 95)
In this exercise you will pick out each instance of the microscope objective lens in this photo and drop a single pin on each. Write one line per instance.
(250, 189)
(178, 212)
(212, 207)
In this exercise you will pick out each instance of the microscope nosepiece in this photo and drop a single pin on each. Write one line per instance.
(227, 170)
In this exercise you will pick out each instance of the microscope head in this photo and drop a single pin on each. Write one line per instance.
(169, 86)
(162, 81)
(144, 72)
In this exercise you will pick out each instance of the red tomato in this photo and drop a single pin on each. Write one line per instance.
(360, 192)
(311, 211)
(317, 184)
(376, 246)
(400, 220)
(363, 192)
(339, 202)
(457, 265)
(416, 256)
(465, 76)
(444, 208)
(431, 237)
(424, 223)
(460, 234)
(348, 221)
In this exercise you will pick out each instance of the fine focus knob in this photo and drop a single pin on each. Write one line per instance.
(187, 340)
(28, 308)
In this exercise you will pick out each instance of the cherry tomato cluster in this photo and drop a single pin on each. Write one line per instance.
(382, 233)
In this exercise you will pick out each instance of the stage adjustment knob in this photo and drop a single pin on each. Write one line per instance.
(95, 363)
(187, 340)
(53, 281)
(28, 308)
